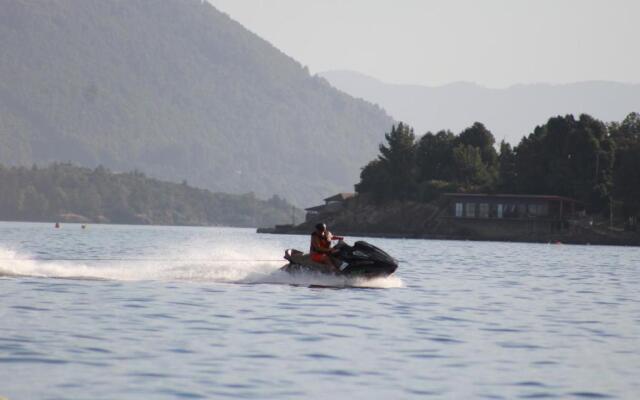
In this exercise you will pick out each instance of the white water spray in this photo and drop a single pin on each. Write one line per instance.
(198, 262)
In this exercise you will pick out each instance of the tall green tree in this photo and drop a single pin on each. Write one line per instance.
(477, 135)
(395, 170)
(375, 180)
(507, 174)
(626, 171)
(470, 170)
(568, 157)
(434, 156)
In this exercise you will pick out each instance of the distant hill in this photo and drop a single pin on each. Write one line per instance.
(64, 192)
(509, 113)
(177, 90)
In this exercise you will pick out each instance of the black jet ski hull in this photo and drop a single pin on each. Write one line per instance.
(365, 271)
(361, 260)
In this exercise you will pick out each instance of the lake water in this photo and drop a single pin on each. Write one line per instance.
(124, 312)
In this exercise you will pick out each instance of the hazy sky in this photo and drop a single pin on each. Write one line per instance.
(492, 42)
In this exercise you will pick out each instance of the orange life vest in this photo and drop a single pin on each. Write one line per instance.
(324, 243)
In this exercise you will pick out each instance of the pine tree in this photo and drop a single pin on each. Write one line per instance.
(397, 158)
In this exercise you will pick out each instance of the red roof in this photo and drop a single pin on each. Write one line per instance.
(315, 208)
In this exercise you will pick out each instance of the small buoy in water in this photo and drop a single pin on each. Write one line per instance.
(83, 226)
(57, 225)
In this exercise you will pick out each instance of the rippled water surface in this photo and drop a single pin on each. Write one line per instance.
(172, 312)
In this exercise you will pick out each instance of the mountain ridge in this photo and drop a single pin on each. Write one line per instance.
(510, 113)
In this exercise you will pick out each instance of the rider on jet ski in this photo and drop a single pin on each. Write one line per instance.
(360, 260)
(321, 250)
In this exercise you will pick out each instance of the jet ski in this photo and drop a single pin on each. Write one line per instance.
(360, 260)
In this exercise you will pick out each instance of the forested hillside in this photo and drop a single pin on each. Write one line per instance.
(177, 90)
(68, 192)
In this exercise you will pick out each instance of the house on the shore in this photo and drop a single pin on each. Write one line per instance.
(501, 215)
(332, 205)
(464, 216)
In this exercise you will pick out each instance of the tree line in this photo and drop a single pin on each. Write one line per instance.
(594, 162)
(99, 195)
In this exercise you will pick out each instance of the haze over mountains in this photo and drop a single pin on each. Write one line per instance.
(509, 113)
(178, 90)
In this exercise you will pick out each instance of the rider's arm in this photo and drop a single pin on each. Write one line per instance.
(331, 236)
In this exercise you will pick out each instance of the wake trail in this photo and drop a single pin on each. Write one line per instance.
(196, 263)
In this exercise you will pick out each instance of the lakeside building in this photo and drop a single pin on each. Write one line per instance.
(465, 216)
(501, 214)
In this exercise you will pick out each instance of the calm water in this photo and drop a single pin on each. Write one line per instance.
(167, 313)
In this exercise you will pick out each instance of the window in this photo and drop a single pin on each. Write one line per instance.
(459, 210)
(499, 211)
(509, 211)
(470, 210)
(483, 212)
(522, 211)
(539, 210)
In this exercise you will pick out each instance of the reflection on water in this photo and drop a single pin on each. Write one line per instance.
(161, 312)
